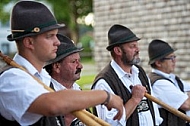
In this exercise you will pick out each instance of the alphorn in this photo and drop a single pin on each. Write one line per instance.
(168, 107)
(83, 115)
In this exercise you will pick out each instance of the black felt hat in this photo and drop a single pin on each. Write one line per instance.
(30, 18)
(158, 49)
(66, 48)
(119, 34)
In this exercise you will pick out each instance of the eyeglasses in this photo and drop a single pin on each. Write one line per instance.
(172, 58)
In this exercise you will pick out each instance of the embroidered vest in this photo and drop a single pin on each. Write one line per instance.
(169, 119)
(109, 75)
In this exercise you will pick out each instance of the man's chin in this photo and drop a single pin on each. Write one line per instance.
(135, 61)
(53, 56)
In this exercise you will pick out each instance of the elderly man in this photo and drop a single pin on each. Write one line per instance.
(168, 87)
(65, 69)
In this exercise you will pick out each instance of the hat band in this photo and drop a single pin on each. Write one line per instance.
(66, 51)
(33, 30)
(127, 38)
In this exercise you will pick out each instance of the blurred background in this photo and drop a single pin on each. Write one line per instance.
(88, 21)
(77, 15)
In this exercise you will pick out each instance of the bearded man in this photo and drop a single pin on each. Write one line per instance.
(123, 77)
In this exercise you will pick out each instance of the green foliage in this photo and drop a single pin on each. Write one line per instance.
(4, 15)
(87, 42)
(66, 11)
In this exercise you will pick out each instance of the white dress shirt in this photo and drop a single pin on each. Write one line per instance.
(58, 86)
(169, 92)
(18, 90)
(145, 118)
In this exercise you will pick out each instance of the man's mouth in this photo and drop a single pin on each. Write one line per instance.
(78, 71)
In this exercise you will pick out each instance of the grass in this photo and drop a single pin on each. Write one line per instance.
(86, 81)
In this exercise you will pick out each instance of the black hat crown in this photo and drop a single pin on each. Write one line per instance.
(66, 48)
(158, 49)
(119, 34)
(30, 18)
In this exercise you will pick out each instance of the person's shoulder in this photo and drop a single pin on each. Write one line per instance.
(11, 70)
(138, 66)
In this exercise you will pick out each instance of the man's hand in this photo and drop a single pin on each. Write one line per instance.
(117, 103)
(138, 92)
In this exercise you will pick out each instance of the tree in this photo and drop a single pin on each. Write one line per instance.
(68, 11)
(65, 11)
(4, 14)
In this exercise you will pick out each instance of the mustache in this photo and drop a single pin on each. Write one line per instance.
(78, 70)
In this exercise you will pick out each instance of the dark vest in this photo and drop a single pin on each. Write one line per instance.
(169, 119)
(109, 75)
(44, 121)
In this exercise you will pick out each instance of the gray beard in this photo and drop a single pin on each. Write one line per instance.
(135, 61)
(126, 61)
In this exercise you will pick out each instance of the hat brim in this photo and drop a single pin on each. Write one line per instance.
(56, 26)
(109, 48)
(63, 56)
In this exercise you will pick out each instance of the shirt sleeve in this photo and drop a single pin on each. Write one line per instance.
(18, 90)
(169, 93)
(103, 112)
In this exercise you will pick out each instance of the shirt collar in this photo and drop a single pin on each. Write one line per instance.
(43, 75)
(163, 74)
(120, 72)
(59, 86)
(25, 63)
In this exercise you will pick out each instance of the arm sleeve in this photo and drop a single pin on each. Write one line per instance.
(103, 112)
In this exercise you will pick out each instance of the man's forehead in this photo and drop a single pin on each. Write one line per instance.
(131, 43)
(75, 55)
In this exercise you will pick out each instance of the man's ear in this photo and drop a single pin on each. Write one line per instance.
(117, 50)
(158, 63)
(28, 42)
(56, 66)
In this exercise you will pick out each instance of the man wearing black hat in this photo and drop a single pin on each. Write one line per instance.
(23, 98)
(167, 87)
(65, 69)
(123, 77)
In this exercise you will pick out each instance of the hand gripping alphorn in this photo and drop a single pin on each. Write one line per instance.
(84, 116)
(167, 107)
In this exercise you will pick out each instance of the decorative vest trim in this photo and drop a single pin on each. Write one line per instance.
(169, 119)
(109, 75)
